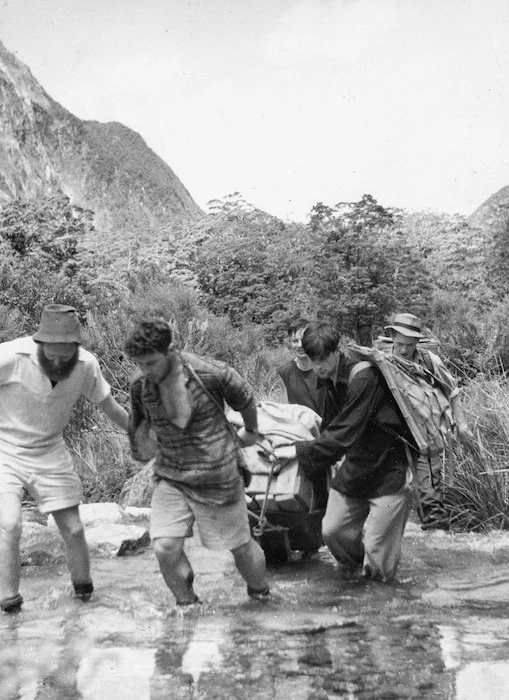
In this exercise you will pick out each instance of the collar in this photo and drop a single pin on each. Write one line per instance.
(342, 372)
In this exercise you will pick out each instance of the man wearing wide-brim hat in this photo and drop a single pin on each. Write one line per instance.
(406, 332)
(41, 378)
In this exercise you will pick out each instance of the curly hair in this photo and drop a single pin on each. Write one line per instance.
(148, 335)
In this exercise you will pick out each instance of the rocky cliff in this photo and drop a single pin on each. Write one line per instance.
(107, 168)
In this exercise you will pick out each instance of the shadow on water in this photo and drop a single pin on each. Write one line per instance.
(320, 638)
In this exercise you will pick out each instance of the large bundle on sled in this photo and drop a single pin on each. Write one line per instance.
(282, 488)
(280, 498)
(418, 394)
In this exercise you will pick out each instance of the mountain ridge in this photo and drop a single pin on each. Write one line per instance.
(105, 167)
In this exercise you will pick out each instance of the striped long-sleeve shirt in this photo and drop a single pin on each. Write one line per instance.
(202, 459)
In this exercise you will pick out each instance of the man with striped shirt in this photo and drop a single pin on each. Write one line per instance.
(179, 398)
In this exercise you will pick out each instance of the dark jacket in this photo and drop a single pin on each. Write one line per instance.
(367, 431)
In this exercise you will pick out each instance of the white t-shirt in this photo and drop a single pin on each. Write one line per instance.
(33, 413)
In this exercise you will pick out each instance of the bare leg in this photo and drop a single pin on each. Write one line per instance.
(250, 562)
(175, 568)
(71, 528)
(10, 537)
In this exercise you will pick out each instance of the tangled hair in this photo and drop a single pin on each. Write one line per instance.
(296, 324)
(320, 340)
(148, 335)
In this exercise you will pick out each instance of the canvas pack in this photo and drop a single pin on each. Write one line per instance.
(423, 405)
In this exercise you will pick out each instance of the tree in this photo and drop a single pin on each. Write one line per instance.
(252, 266)
(363, 269)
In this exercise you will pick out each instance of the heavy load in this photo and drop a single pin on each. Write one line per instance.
(419, 395)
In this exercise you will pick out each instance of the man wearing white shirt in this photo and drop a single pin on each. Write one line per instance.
(41, 379)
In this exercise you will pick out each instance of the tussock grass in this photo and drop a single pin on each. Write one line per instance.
(478, 498)
(104, 463)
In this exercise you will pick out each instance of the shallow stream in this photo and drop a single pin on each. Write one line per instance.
(441, 631)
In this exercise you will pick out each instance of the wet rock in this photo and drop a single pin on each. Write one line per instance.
(109, 531)
(95, 513)
(137, 490)
(137, 515)
(116, 540)
(40, 545)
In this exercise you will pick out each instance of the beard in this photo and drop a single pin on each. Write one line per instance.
(56, 373)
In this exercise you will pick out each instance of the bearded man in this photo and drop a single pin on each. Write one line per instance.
(41, 379)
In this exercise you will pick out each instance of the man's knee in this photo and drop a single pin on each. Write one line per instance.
(251, 550)
(168, 547)
(71, 529)
(10, 526)
(243, 549)
(10, 516)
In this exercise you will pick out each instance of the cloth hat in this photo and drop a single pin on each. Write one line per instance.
(60, 324)
(406, 324)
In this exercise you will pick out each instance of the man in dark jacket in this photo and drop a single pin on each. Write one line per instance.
(370, 495)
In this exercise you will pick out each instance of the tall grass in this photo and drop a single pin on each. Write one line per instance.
(478, 497)
(104, 463)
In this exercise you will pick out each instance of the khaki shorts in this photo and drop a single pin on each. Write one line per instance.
(49, 476)
(219, 527)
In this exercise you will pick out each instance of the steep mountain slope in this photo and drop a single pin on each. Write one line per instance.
(493, 214)
(107, 168)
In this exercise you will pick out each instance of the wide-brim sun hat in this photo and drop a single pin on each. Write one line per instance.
(60, 324)
(406, 324)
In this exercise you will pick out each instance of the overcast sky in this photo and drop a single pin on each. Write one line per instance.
(290, 102)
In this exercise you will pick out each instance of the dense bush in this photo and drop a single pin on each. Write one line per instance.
(229, 283)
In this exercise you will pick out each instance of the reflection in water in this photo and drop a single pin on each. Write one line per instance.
(478, 650)
(109, 650)
(203, 652)
(483, 681)
(116, 672)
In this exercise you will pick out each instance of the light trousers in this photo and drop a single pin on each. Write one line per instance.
(366, 533)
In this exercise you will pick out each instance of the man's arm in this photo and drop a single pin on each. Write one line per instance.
(249, 433)
(114, 411)
(462, 430)
(363, 397)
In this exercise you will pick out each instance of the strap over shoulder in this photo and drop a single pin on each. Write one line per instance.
(358, 367)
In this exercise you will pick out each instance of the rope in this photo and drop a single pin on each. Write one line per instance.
(263, 523)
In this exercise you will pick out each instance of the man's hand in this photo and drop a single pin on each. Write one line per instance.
(465, 435)
(248, 438)
(285, 453)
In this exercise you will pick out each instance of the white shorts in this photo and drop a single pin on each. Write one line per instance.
(48, 474)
